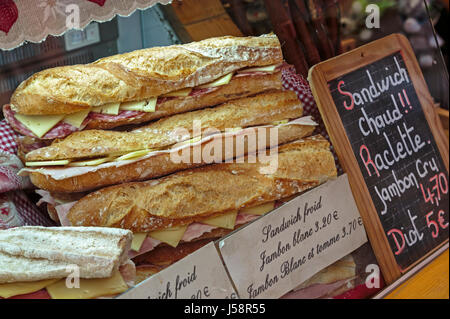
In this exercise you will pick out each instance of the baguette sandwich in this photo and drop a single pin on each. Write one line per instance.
(65, 262)
(144, 85)
(203, 203)
(93, 159)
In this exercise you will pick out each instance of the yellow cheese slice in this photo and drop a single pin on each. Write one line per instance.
(227, 220)
(138, 239)
(268, 68)
(220, 81)
(280, 122)
(76, 119)
(39, 124)
(89, 288)
(22, 288)
(259, 210)
(133, 106)
(131, 155)
(92, 162)
(182, 92)
(48, 163)
(110, 108)
(171, 236)
(143, 106)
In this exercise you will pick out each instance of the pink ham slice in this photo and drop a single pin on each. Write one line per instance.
(148, 245)
(62, 211)
(46, 197)
(128, 272)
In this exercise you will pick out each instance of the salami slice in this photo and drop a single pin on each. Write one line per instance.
(112, 118)
(60, 130)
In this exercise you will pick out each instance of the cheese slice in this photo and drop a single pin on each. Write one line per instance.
(89, 288)
(259, 210)
(142, 106)
(138, 239)
(280, 122)
(171, 236)
(227, 220)
(110, 108)
(22, 288)
(92, 162)
(131, 155)
(39, 124)
(268, 68)
(48, 163)
(220, 81)
(76, 119)
(182, 92)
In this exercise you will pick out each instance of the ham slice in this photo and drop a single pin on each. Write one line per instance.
(62, 211)
(46, 197)
(128, 272)
(195, 230)
(148, 245)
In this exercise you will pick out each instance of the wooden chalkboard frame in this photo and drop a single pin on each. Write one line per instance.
(319, 77)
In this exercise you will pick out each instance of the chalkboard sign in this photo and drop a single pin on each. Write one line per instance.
(380, 118)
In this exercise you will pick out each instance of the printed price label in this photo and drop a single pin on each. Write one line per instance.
(281, 250)
(200, 275)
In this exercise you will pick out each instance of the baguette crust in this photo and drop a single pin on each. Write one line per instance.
(141, 74)
(159, 165)
(32, 253)
(251, 111)
(239, 87)
(191, 195)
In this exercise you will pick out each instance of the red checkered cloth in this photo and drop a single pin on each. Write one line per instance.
(10, 164)
(8, 138)
(16, 209)
(295, 82)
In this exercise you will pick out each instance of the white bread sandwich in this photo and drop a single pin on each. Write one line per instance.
(65, 262)
(144, 85)
(202, 203)
(92, 159)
